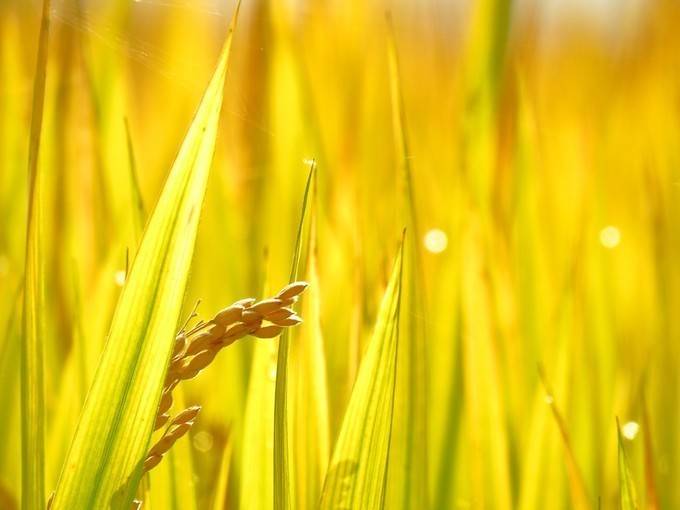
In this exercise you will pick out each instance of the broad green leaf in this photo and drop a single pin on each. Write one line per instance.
(626, 486)
(282, 453)
(33, 345)
(308, 419)
(358, 469)
(104, 463)
(407, 477)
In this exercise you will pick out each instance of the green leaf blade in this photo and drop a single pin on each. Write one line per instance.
(309, 428)
(358, 469)
(33, 345)
(104, 463)
(407, 479)
(283, 457)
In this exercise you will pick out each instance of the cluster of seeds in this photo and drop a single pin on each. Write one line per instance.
(194, 350)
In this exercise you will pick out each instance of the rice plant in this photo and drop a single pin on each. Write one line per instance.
(448, 231)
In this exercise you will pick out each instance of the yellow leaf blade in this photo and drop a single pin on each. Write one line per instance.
(358, 468)
(104, 463)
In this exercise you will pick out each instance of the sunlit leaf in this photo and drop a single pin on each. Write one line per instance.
(104, 463)
(33, 345)
(309, 401)
(282, 455)
(257, 470)
(357, 472)
(407, 480)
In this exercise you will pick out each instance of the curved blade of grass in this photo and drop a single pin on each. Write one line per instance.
(577, 487)
(33, 345)
(104, 463)
(358, 469)
(139, 212)
(407, 478)
(282, 455)
(626, 486)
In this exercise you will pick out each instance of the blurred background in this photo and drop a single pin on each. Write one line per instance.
(543, 145)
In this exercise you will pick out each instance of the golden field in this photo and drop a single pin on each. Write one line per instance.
(533, 164)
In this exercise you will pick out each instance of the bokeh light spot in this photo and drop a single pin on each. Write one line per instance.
(120, 278)
(436, 241)
(630, 430)
(610, 237)
(203, 441)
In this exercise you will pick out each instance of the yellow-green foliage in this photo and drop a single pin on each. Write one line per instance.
(547, 150)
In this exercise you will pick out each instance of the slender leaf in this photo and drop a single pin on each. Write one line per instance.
(257, 470)
(33, 345)
(104, 463)
(282, 454)
(626, 486)
(139, 212)
(407, 481)
(222, 486)
(257, 480)
(308, 386)
(358, 469)
(577, 487)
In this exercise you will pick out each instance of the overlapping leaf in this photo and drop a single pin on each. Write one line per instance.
(358, 469)
(104, 463)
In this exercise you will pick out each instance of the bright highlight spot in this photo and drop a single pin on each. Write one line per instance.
(120, 278)
(549, 400)
(436, 241)
(630, 430)
(610, 237)
(203, 441)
